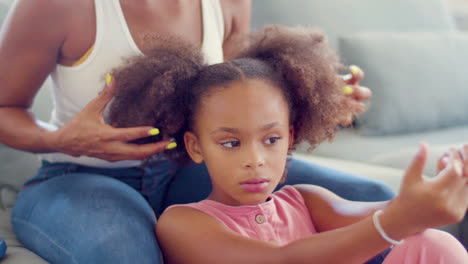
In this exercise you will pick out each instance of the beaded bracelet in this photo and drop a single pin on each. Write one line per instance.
(375, 219)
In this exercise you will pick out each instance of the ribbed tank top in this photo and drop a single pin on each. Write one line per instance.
(74, 86)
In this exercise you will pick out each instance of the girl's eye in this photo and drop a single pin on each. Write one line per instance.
(230, 144)
(271, 140)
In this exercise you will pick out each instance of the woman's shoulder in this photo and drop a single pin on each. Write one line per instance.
(50, 6)
(53, 14)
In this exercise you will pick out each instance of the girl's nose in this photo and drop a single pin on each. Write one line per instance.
(254, 158)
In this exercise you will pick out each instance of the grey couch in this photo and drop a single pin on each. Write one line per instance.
(377, 157)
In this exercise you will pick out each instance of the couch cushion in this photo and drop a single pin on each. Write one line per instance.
(390, 176)
(419, 80)
(350, 144)
(401, 158)
(16, 253)
(337, 17)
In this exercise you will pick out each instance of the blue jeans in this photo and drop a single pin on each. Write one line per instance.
(69, 213)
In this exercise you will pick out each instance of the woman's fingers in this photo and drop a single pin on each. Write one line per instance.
(352, 89)
(361, 93)
(127, 151)
(355, 76)
(131, 133)
(99, 103)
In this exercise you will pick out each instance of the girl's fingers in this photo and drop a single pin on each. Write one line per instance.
(442, 162)
(464, 156)
(454, 169)
(414, 172)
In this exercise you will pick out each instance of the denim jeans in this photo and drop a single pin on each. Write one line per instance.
(70, 213)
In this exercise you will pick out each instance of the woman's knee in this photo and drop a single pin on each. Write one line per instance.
(86, 219)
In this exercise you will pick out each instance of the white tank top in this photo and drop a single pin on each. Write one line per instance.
(74, 86)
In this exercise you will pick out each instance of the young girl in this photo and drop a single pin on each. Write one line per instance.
(242, 118)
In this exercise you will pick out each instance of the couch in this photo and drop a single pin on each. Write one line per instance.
(378, 157)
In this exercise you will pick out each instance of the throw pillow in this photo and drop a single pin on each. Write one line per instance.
(419, 80)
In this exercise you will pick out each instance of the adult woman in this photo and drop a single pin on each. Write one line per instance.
(69, 212)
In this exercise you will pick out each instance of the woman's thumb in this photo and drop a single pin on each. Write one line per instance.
(415, 169)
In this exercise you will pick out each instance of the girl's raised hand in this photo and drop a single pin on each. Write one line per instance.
(426, 203)
(88, 134)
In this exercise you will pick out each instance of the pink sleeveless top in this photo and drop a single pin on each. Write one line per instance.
(282, 219)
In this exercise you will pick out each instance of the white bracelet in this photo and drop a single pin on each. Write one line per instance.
(375, 219)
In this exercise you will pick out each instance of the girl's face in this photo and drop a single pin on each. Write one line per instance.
(242, 134)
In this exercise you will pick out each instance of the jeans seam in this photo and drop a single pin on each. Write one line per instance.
(39, 231)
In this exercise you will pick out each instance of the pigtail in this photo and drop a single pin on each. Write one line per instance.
(151, 91)
(309, 69)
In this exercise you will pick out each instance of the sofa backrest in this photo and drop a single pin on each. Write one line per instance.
(338, 17)
(3, 12)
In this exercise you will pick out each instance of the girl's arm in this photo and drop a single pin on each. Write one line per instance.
(187, 235)
(329, 211)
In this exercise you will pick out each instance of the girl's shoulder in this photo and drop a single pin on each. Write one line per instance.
(182, 218)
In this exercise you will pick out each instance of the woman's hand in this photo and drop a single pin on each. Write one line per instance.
(88, 134)
(355, 94)
(426, 203)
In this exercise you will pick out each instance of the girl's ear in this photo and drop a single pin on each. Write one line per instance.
(193, 147)
(291, 137)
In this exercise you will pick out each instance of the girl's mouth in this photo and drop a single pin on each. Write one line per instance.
(255, 184)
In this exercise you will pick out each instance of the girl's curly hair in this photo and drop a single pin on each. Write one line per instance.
(164, 88)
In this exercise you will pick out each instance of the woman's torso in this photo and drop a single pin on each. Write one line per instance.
(112, 30)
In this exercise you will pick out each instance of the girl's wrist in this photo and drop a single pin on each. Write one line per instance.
(381, 231)
(394, 221)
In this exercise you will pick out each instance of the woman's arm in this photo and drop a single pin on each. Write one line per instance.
(237, 14)
(31, 40)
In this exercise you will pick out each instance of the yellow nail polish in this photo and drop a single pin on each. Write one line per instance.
(108, 78)
(153, 132)
(171, 145)
(354, 69)
(347, 90)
